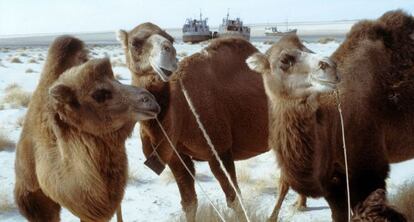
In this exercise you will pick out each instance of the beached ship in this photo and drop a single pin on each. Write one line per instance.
(232, 28)
(196, 30)
(273, 31)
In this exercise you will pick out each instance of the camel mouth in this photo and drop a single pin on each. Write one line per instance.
(166, 72)
(325, 83)
(163, 73)
(148, 114)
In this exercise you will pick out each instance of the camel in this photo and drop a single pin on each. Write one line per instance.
(376, 64)
(71, 151)
(376, 208)
(230, 100)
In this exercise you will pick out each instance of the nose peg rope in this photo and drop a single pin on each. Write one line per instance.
(345, 155)
(189, 171)
(210, 143)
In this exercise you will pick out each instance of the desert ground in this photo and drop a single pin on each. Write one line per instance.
(149, 197)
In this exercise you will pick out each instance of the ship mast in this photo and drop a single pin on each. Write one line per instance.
(228, 13)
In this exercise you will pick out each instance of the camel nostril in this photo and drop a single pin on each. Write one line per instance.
(338, 79)
(166, 48)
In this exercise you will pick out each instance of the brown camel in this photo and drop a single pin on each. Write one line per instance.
(229, 99)
(376, 209)
(71, 151)
(376, 63)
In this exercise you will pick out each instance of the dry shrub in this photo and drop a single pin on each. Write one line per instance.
(325, 40)
(119, 76)
(269, 42)
(23, 54)
(243, 174)
(15, 60)
(11, 86)
(182, 54)
(118, 62)
(32, 60)
(20, 121)
(133, 176)
(6, 143)
(29, 70)
(206, 213)
(167, 176)
(16, 96)
(403, 200)
(6, 205)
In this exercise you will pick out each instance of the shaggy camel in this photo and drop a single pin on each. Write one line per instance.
(294, 77)
(228, 97)
(376, 208)
(376, 63)
(71, 151)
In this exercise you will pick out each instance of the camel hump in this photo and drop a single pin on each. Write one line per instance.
(234, 44)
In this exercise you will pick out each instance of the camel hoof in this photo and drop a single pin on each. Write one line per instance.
(301, 208)
(272, 219)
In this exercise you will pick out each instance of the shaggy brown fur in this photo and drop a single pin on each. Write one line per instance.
(376, 64)
(71, 150)
(376, 209)
(231, 103)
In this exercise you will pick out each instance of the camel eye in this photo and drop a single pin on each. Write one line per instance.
(323, 65)
(101, 95)
(287, 61)
(137, 43)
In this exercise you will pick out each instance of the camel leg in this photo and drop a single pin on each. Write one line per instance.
(185, 185)
(119, 214)
(228, 162)
(30, 199)
(283, 190)
(35, 205)
(301, 202)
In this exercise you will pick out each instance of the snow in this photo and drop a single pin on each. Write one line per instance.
(149, 197)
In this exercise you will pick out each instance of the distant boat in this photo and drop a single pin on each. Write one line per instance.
(273, 31)
(195, 31)
(233, 27)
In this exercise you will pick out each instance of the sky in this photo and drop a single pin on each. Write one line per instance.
(74, 16)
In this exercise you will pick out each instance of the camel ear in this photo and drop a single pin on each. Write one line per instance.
(305, 49)
(64, 94)
(258, 62)
(122, 37)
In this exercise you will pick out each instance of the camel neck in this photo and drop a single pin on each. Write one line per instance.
(292, 135)
(104, 157)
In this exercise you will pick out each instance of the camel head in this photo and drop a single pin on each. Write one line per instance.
(89, 98)
(149, 50)
(290, 70)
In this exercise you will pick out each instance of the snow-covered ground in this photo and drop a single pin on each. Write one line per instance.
(150, 197)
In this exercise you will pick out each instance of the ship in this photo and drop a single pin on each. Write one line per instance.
(273, 31)
(233, 28)
(195, 31)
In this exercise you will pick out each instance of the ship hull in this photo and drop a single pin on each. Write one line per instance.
(195, 38)
(280, 33)
(234, 34)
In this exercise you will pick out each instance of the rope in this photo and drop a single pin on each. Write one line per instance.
(345, 155)
(189, 171)
(210, 143)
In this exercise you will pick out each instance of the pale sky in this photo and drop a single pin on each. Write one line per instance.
(69, 16)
